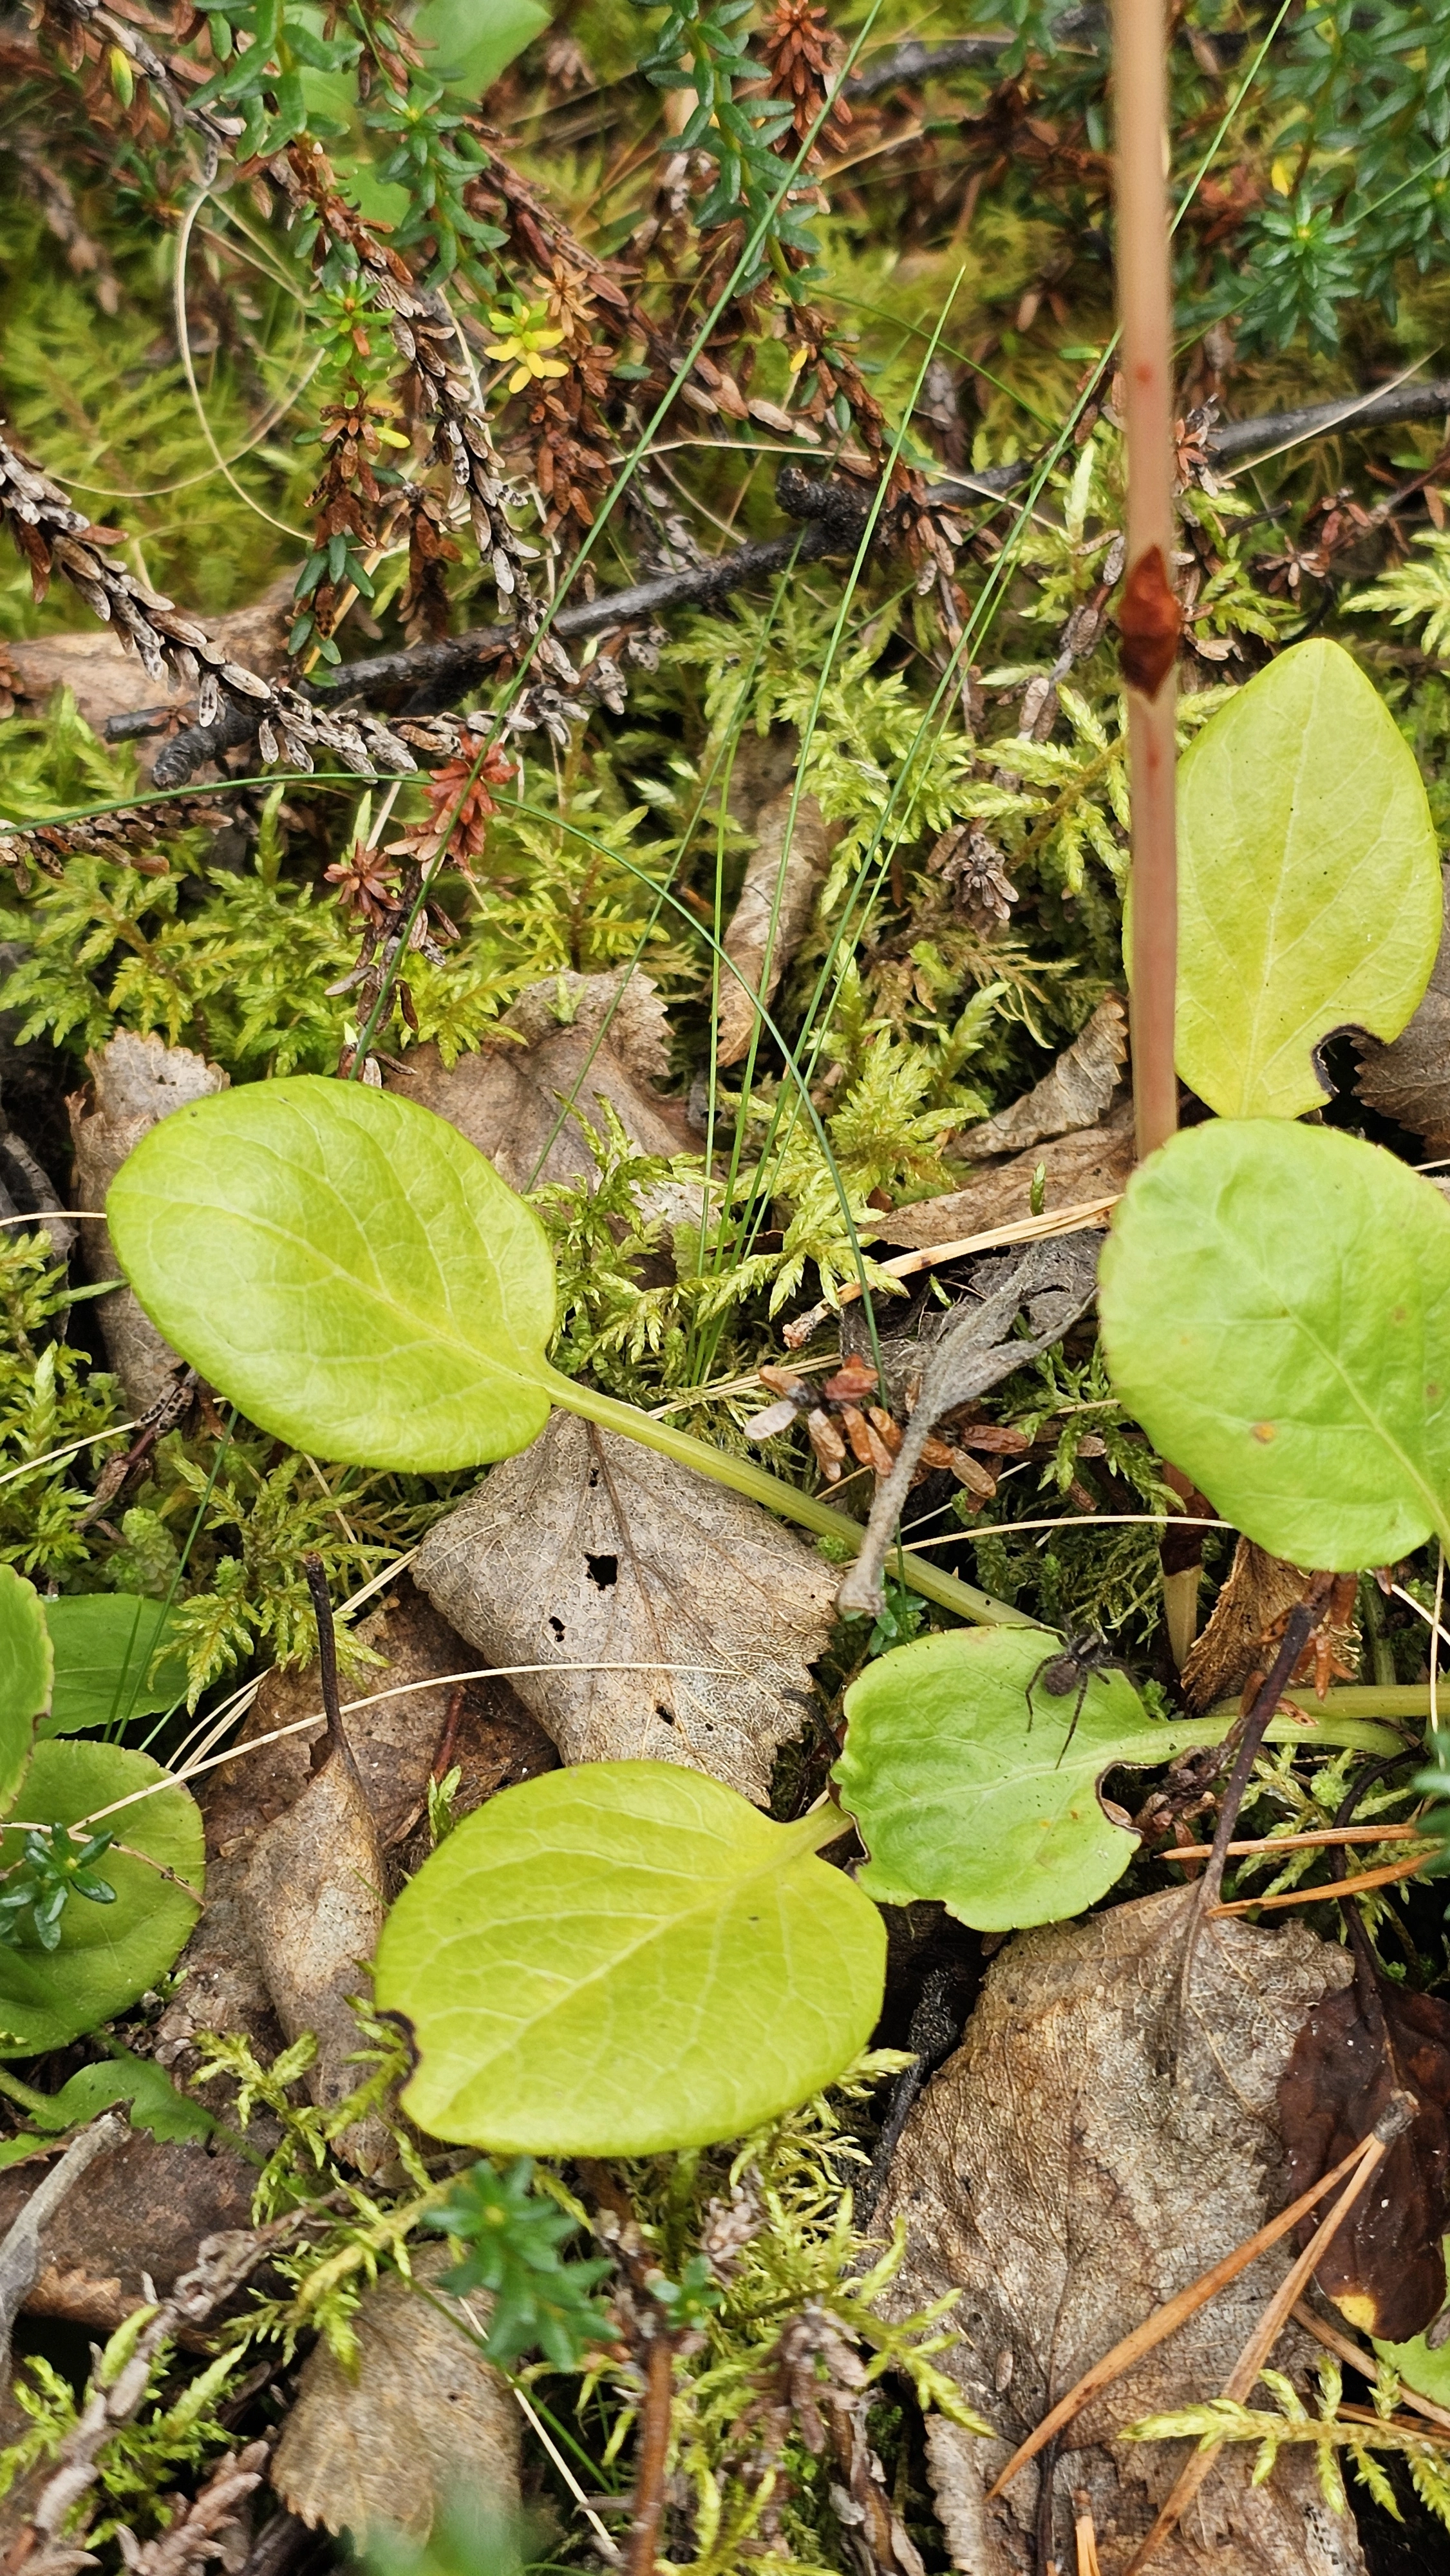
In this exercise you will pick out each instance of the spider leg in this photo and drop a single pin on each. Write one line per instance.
(1032, 1685)
(1082, 1689)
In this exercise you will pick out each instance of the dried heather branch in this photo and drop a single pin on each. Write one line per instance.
(208, 2527)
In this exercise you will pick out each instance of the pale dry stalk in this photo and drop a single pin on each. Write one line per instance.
(1149, 615)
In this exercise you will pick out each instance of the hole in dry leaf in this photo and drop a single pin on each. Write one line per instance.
(603, 1570)
(558, 1626)
(667, 1714)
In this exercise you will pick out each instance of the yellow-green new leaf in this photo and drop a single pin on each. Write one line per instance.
(27, 1668)
(1309, 885)
(346, 1268)
(1275, 1307)
(626, 1957)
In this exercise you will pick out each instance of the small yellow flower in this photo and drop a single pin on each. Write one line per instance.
(524, 341)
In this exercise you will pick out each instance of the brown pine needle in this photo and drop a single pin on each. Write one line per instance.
(1337, 1887)
(1364, 2362)
(1327, 1837)
(1266, 2333)
(1166, 2320)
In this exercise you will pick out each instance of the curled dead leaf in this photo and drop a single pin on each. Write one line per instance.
(1258, 1590)
(1409, 1080)
(778, 895)
(135, 1082)
(1094, 1162)
(1076, 1093)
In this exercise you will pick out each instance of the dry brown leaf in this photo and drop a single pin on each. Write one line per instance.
(588, 1549)
(1068, 2171)
(141, 2210)
(1075, 1094)
(134, 1083)
(789, 894)
(1258, 1590)
(314, 1904)
(1096, 1161)
(1409, 1080)
(424, 2415)
(508, 1099)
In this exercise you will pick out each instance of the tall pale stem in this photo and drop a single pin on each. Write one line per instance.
(1149, 619)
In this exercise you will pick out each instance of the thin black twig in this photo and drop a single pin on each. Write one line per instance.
(327, 1665)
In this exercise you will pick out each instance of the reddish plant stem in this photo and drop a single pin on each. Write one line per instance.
(1149, 613)
(654, 2444)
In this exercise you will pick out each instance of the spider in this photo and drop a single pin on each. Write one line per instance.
(1082, 1655)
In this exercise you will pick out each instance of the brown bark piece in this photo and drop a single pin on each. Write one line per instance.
(135, 1082)
(141, 2209)
(1409, 1080)
(1259, 1589)
(589, 1550)
(1068, 2170)
(554, 1046)
(1076, 1093)
(314, 1906)
(790, 894)
(424, 2415)
(1094, 1163)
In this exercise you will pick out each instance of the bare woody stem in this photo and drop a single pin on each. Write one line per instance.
(1149, 617)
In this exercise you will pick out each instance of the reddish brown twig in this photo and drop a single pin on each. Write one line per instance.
(1326, 1895)
(653, 2451)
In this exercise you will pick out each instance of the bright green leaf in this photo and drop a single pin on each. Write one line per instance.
(626, 1957)
(26, 1669)
(1418, 2365)
(346, 1268)
(152, 2102)
(961, 1796)
(1275, 1305)
(108, 1954)
(104, 1643)
(476, 39)
(1309, 882)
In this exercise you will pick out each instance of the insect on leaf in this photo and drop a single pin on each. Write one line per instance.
(345, 1268)
(626, 1957)
(26, 1671)
(1309, 882)
(1275, 1305)
(108, 1954)
(958, 1796)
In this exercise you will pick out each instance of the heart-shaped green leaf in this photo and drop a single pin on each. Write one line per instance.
(104, 1645)
(1309, 882)
(346, 1268)
(961, 1793)
(626, 1957)
(108, 1954)
(1275, 1305)
(26, 1672)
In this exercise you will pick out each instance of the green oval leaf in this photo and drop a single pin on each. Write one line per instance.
(626, 1957)
(1309, 882)
(26, 1672)
(104, 1644)
(960, 1794)
(346, 1268)
(108, 1954)
(1275, 1306)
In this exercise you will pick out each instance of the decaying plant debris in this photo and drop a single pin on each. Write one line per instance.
(617, 1462)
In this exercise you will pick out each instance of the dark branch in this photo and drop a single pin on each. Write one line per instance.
(435, 674)
(917, 62)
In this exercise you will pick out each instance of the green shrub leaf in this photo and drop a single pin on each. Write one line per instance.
(960, 1797)
(152, 2102)
(626, 1957)
(104, 1643)
(1309, 882)
(1275, 1305)
(26, 1671)
(108, 1954)
(346, 1268)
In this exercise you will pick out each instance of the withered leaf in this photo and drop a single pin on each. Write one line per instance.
(590, 1550)
(1067, 2172)
(134, 1082)
(1409, 1080)
(1094, 1163)
(1385, 2270)
(554, 1047)
(136, 2216)
(1258, 1590)
(107, 679)
(789, 894)
(1074, 1094)
(424, 2415)
(1149, 623)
